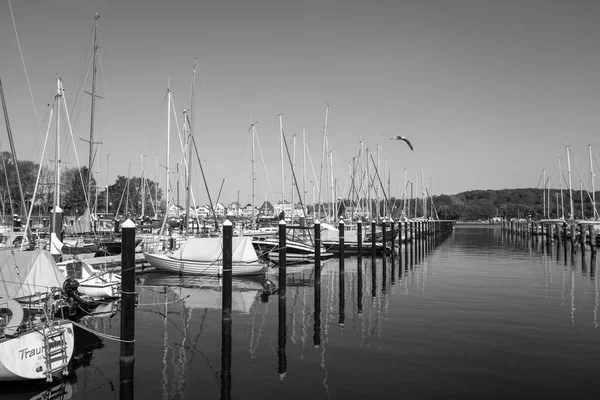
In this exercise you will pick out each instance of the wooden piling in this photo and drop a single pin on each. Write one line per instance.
(592, 232)
(128, 295)
(282, 257)
(317, 304)
(573, 237)
(342, 316)
(226, 322)
(582, 237)
(317, 228)
(359, 237)
(341, 232)
(281, 332)
(384, 257)
(406, 244)
(373, 240)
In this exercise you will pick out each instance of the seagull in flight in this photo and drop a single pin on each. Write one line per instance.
(402, 138)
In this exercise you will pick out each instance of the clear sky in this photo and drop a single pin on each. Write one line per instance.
(488, 92)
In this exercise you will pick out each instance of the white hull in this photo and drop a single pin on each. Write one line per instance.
(102, 291)
(92, 282)
(166, 263)
(24, 357)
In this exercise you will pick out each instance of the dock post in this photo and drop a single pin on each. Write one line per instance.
(393, 236)
(406, 243)
(317, 227)
(117, 222)
(412, 242)
(359, 237)
(573, 237)
(558, 233)
(582, 235)
(282, 256)
(226, 321)
(384, 257)
(341, 231)
(592, 232)
(564, 232)
(342, 315)
(531, 229)
(373, 239)
(317, 299)
(282, 335)
(128, 296)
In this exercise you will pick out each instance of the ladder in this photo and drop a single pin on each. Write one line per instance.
(55, 345)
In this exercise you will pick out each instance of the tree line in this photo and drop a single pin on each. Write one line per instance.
(123, 196)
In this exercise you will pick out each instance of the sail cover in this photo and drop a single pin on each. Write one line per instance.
(211, 249)
(82, 225)
(25, 273)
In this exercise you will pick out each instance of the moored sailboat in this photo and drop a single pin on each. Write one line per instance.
(204, 256)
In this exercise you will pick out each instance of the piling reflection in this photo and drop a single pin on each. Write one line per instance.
(577, 263)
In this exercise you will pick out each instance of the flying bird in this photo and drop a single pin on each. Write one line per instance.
(402, 138)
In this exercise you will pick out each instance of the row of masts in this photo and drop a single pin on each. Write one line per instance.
(560, 206)
(327, 182)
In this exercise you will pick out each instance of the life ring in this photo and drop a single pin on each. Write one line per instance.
(13, 324)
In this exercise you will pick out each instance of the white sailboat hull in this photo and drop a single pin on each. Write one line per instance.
(24, 357)
(187, 267)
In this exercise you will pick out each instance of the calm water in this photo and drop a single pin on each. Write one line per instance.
(481, 315)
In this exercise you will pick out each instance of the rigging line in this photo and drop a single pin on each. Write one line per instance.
(87, 202)
(25, 69)
(582, 181)
(162, 108)
(103, 76)
(37, 181)
(539, 180)
(177, 126)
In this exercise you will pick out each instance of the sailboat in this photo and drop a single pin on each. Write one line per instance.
(204, 256)
(33, 343)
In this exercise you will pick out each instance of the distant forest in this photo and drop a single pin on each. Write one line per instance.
(477, 205)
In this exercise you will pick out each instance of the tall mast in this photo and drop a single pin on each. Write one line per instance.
(57, 148)
(544, 193)
(323, 155)
(107, 163)
(142, 192)
(405, 196)
(423, 193)
(91, 151)
(562, 203)
(581, 198)
(155, 187)
(332, 198)
(282, 172)
(190, 121)
(548, 197)
(168, 145)
(14, 153)
(293, 166)
(253, 128)
(572, 215)
(592, 182)
(412, 193)
(304, 165)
